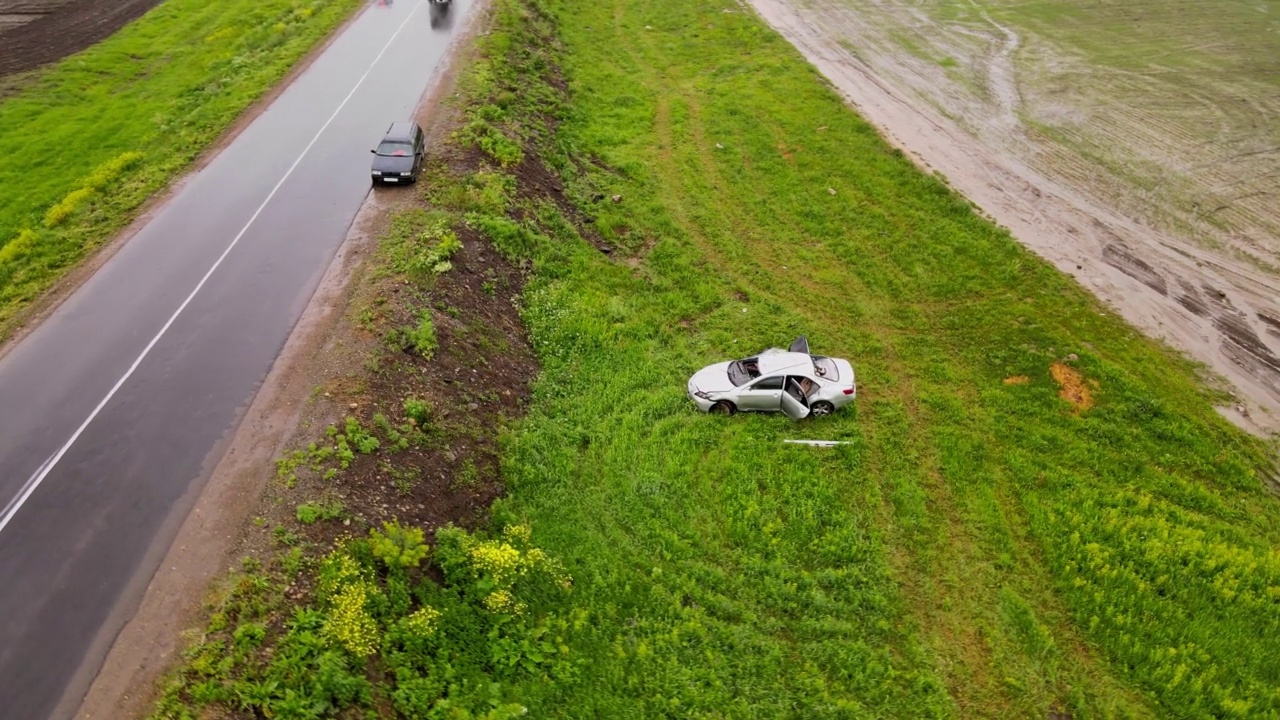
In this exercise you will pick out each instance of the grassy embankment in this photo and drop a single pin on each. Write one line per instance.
(85, 142)
(1038, 512)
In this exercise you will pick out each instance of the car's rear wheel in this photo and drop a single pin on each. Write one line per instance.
(821, 408)
(724, 407)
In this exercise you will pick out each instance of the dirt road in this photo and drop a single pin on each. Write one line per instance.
(1216, 300)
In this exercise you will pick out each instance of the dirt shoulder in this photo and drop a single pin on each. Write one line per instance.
(309, 386)
(1221, 312)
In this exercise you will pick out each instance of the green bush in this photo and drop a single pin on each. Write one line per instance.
(435, 260)
(423, 337)
(398, 547)
(418, 410)
(364, 440)
(420, 339)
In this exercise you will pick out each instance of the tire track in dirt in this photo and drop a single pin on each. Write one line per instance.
(1001, 75)
(1122, 259)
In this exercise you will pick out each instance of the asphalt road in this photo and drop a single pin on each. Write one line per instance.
(115, 410)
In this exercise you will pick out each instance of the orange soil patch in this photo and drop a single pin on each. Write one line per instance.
(1017, 380)
(1074, 390)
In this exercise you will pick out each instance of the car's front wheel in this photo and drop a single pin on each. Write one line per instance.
(821, 408)
(724, 407)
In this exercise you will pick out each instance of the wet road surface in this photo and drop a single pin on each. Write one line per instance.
(114, 411)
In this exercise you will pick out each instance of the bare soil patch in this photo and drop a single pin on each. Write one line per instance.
(477, 379)
(1202, 279)
(37, 32)
(1072, 384)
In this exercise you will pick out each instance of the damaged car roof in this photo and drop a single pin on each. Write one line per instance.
(774, 361)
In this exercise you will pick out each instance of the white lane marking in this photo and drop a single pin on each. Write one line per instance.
(30, 487)
(30, 483)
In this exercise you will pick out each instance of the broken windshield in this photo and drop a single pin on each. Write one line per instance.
(825, 368)
(743, 371)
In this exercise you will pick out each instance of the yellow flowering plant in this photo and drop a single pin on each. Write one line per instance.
(423, 622)
(504, 572)
(346, 588)
(349, 623)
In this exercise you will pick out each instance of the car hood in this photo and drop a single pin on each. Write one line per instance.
(711, 379)
(393, 163)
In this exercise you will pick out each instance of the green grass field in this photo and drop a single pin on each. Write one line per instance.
(981, 547)
(978, 536)
(85, 142)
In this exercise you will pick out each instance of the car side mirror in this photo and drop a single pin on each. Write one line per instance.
(374, 151)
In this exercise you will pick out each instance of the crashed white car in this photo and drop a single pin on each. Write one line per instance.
(791, 381)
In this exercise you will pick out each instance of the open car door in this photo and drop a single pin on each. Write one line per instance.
(801, 345)
(794, 404)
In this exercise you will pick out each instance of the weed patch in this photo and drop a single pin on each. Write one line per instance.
(500, 609)
(309, 513)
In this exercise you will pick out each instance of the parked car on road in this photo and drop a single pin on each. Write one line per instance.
(398, 158)
(790, 381)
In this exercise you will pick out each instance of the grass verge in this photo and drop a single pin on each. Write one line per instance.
(1038, 512)
(84, 143)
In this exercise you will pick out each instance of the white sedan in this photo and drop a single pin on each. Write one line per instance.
(792, 381)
